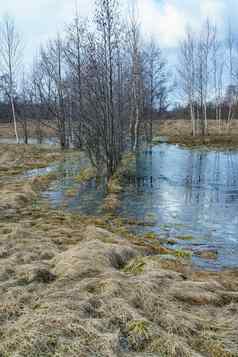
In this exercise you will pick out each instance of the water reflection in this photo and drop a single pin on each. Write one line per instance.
(195, 192)
(187, 192)
(72, 195)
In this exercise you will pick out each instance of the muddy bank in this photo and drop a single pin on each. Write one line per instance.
(77, 286)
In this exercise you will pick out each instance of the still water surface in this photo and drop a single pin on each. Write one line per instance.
(184, 192)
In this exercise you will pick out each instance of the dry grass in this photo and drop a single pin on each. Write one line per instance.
(15, 159)
(7, 130)
(70, 288)
(179, 132)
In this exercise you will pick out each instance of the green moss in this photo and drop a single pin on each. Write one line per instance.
(135, 267)
(139, 334)
(151, 235)
(139, 327)
(182, 253)
(86, 175)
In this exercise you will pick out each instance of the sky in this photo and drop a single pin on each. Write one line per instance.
(165, 20)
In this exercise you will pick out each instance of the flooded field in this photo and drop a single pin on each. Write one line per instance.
(187, 197)
(192, 196)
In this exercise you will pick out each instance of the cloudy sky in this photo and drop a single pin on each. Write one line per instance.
(166, 20)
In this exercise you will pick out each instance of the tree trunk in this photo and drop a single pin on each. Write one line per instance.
(205, 130)
(193, 119)
(14, 119)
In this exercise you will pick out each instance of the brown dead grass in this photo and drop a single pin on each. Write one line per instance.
(70, 288)
(15, 159)
(179, 132)
(7, 130)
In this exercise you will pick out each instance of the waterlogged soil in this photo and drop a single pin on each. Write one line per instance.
(185, 197)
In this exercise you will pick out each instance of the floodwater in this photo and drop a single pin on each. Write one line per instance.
(187, 194)
(67, 193)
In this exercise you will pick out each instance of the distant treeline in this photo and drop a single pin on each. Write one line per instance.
(183, 112)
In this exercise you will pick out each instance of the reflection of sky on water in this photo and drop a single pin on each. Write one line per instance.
(194, 191)
(67, 192)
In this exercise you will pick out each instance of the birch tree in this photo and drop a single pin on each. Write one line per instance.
(76, 41)
(10, 56)
(136, 80)
(155, 78)
(51, 84)
(187, 74)
(231, 49)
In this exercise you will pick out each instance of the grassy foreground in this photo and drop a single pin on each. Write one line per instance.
(76, 286)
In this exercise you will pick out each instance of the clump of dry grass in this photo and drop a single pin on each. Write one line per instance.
(135, 266)
(138, 334)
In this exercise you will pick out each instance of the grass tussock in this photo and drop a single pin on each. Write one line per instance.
(77, 286)
(135, 267)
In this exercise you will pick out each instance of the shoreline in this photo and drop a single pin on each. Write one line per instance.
(229, 142)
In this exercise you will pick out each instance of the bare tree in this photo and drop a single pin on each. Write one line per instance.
(198, 70)
(187, 73)
(137, 103)
(97, 86)
(107, 17)
(75, 48)
(218, 62)
(10, 55)
(155, 78)
(51, 84)
(22, 107)
(230, 45)
(204, 52)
